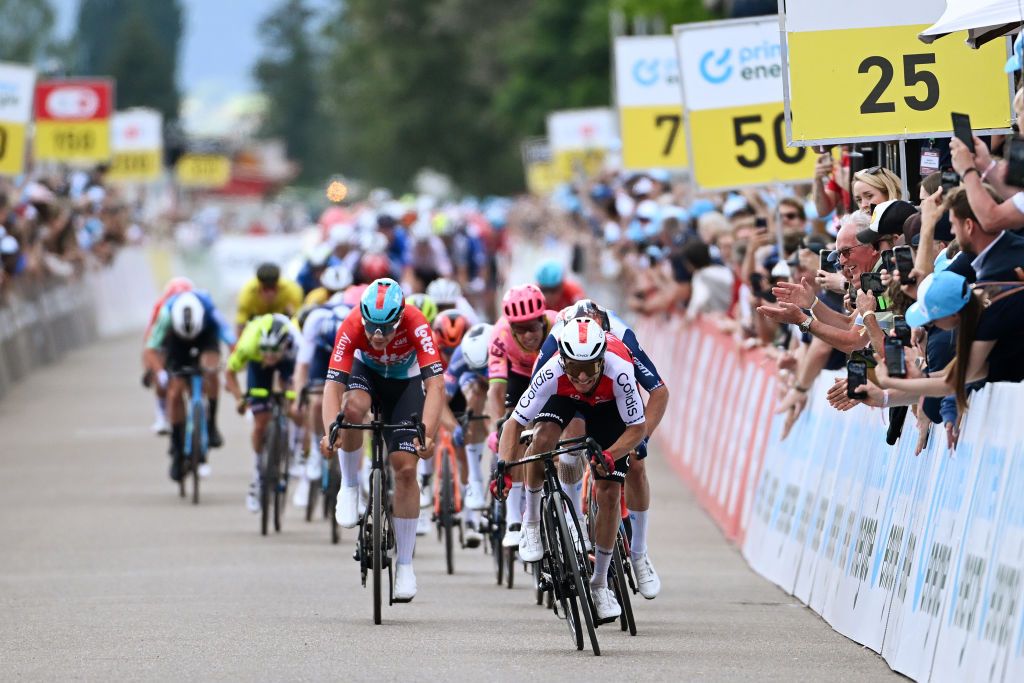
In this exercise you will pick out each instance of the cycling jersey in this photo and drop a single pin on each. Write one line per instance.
(155, 313)
(317, 342)
(572, 292)
(506, 354)
(617, 383)
(211, 318)
(459, 375)
(247, 350)
(412, 351)
(251, 304)
(646, 374)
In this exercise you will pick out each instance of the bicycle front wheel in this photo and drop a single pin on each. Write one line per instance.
(268, 470)
(377, 532)
(575, 568)
(197, 455)
(447, 512)
(555, 563)
(621, 589)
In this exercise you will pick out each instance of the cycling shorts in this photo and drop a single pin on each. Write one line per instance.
(457, 403)
(603, 425)
(398, 399)
(260, 376)
(516, 385)
(180, 353)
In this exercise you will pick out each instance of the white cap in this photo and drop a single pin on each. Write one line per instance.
(643, 186)
(8, 245)
(648, 209)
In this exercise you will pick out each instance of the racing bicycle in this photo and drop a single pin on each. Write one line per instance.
(274, 456)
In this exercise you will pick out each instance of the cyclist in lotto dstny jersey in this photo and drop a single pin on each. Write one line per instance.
(385, 352)
(592, 375)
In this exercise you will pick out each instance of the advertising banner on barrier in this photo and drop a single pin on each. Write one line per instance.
(137, 146)
(16, 86)
(649, 102)
(918, 556)
(857, 72)
(203, 171)
(73, 120)
(731, 75)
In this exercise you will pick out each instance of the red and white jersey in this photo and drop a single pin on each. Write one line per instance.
(413, 352)
(617, 383)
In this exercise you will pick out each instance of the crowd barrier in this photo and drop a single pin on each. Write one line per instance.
(919, 558)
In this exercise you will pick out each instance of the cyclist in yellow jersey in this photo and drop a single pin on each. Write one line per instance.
(267, 293)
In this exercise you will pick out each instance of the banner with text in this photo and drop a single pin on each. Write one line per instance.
(137, 145)
(16, 86)
(580, 139)
(73, 120)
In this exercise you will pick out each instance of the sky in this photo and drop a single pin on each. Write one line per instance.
(219, 47)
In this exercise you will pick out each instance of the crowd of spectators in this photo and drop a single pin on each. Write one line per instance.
(56, 225)
(919, 300)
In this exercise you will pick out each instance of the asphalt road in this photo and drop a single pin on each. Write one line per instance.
(106, 574)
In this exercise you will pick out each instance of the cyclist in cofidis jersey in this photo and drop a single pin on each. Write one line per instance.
(591, 375)
(385, 352)
(515, 343)
(267, 346)
(151, 376)
(570, 470)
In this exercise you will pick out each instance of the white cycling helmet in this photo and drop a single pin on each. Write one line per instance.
(187, 315)
(475, 344)
(444, 292)
(336, 278)
(583, 340)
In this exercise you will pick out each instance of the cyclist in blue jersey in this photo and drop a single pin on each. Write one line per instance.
(638, 491)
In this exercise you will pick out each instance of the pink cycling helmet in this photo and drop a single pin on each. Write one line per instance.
(523, 303)
(177, 285)
(352, 295)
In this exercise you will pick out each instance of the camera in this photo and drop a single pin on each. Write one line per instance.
(856, 376)
(904, 264)
(950, 180)
(895, 357)
(888, 262)
(901, 329)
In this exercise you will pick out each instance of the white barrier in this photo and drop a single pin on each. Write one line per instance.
(920, 558)
(124, 293)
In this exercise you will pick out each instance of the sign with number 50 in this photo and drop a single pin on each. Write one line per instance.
(731, 76)
(857, 72)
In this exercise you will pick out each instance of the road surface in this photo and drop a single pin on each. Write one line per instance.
(106, 574)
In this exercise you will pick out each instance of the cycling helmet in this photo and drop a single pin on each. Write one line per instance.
(586, 308)
(353, 295)
(276, 337)
(551, 274)
(382, 303)
(450, 328)
(582, 340)
(523, 303)
(444, 292)
(177, 285)
(426, 305)
(319, 256)
(187, 315)
(336, 278)
(268, 274)
(475, 345)
(375, 267)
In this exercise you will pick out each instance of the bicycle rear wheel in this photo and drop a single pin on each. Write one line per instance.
(198, 455)
(621, 590)
(447, 511)
(573, 562)
(268, 469)
(377, 531)
(280, 471)
(331, 497)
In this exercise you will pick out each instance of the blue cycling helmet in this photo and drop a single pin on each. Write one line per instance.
(383, 302)
(550, 274)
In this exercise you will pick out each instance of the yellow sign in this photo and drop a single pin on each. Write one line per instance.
(745, 145)
(12, 148)
(541, 178)
(571, 163)
(135, 167)
(653, 137)
(883, 83)
(72, 141)
(207, 171)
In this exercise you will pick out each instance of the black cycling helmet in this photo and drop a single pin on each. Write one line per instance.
(268, 274)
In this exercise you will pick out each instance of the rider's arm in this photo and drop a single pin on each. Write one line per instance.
(629, 440)
(433, 403)
(497, 372)
(657, 403)
(510, 434)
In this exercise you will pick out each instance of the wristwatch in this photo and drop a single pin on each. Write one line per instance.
(805, 326)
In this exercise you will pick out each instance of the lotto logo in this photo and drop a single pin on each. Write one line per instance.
(426, 339)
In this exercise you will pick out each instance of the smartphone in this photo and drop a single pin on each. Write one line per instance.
(962, 129)
(902, 329)
(823, 262)
(1015, 162)
(950, 180)
(760, 222)
(887, 261)
(895, 358)
(904, 264)
(871, 282)
(856, 376)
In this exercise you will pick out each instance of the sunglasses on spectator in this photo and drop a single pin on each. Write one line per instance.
(789, 216)
(527, 328)
(383, 328)
(874, 170)
(845, 252)
(588, 369)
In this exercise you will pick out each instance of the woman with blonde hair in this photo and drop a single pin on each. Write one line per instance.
(875, 185)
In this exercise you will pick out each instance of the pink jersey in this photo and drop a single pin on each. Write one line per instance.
(506, 354)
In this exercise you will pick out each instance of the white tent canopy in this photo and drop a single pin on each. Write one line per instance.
(984, 20)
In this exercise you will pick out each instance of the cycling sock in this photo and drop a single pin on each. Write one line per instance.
(514, 505)
(178, 437)
(255, 467)
(532, 513)
(425, 468)
(473, 453)
(211, 420)
(161, 407)
(350, 462)
(471, 516)
(602, 559)
(638, 543)
(405, 538)
(575, 493)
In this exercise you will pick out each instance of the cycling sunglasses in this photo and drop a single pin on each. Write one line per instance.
(589, 369)
(526, 328)
(384, 328)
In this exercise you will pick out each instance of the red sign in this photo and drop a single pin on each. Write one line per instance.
(77, 99)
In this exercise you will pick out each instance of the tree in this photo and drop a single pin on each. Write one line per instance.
(25, 32)
(287, 75)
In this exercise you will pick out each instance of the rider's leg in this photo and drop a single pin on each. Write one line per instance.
(607, 494)
(355, 405)
(545, 438)
(570, 467)
(176, 416)
(638, 502)
(405, 504)
(209, 361)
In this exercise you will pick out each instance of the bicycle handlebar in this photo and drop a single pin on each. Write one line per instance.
(465, 417)
(564, 447)
(374, 425)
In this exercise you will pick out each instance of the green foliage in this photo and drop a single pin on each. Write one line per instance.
(136, 42)
(671, 11)
(25, 30)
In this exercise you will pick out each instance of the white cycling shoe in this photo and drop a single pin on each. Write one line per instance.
(252, 499)
(204, 470)
(513, 536)
(426, 494)
(160, 426)
(531, 549)
(475, 496)
(347, 511)
(405, 583)
(604, 601)
(300, 498)
(648, 581)
(472, 537)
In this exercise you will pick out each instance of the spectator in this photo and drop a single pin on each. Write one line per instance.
(711, 282)
(793, 215)
(874, 186)
(994, 256)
